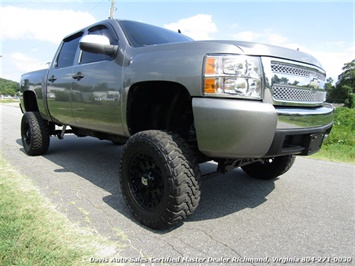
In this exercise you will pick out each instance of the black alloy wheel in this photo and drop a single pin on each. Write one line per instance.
(159, 178)
(146, 183)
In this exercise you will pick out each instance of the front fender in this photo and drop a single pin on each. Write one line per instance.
(229, 128)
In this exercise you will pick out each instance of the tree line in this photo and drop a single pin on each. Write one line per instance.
(344, 89)
(8, 87)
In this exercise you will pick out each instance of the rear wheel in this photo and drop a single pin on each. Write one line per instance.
(270, 168)
(34, 133)
(159, 178)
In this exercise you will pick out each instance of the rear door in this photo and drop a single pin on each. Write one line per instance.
(60, 80)
(97, 81)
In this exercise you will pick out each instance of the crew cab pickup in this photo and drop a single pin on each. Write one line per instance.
(175, 103)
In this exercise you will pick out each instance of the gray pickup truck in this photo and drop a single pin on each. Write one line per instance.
(175, 103)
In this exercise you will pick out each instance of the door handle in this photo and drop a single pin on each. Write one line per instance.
(78, 76)
(52, 78)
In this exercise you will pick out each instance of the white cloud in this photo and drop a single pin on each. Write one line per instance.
(26, 63)
(16, 63)
(198, 27)
(333, 61)
(277, 39)
(40, 24)
(248, 36)
(263, 36)
(235, 25)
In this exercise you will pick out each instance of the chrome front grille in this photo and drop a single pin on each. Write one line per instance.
(295, 83)
(294, 94)
(295, 70)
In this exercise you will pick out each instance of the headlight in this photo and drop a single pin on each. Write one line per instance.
(233, 75)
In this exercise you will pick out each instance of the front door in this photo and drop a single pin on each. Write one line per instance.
(96, 89)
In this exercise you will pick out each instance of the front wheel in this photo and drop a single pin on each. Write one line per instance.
(34, 133)
(270, 168)
(159, 178)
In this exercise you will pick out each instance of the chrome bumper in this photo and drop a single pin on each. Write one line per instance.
(293, 118)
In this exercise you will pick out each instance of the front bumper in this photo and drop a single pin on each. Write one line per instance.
(229, 128)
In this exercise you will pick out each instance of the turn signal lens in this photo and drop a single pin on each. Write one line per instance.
(210, 85)
(210, 66)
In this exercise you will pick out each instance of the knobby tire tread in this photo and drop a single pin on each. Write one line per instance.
(39, 143)
(186, 176)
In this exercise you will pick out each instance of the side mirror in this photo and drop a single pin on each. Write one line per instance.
(97, 44)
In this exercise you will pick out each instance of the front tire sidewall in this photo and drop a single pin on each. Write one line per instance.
(34, 134)
(179, 174)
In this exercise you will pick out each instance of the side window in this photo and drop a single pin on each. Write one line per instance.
(67, 52)
(87, 57)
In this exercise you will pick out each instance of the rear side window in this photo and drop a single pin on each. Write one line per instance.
(87, 57)
(68, 50)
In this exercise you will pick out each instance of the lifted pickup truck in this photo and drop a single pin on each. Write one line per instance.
(176, 103)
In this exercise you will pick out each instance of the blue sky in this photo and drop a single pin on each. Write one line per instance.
(32, 30)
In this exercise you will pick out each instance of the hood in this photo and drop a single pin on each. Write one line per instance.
(259, 49)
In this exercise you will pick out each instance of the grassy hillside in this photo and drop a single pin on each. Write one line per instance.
(8, 87)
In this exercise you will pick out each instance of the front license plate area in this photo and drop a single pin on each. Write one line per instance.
(313, 143)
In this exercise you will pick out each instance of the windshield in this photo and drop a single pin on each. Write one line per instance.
(141, 34)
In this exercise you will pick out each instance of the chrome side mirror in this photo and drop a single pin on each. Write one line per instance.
(97, 44)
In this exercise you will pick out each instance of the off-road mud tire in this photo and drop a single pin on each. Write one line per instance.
(34, 134)
(159, 178)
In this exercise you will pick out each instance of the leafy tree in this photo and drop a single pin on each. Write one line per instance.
(345, 87)
(350, 101)
(339, 94)
(8, 87)
(347, 78)
(347, 83)
(329, 83)
(329, 88)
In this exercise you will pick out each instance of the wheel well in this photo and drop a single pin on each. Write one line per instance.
(30, 101)
(159, 105)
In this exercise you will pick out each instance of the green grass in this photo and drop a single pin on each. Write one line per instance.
(336, 153)
(340, 145)
(32, 232)
(9, 101)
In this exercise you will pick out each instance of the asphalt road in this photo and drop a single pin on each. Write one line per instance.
(306, 215)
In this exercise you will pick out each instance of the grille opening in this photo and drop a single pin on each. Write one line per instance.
(304, 144)
(293, 94)
(293, 141)
(295, 70)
